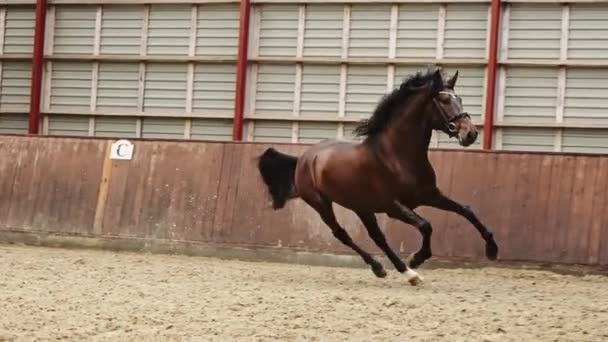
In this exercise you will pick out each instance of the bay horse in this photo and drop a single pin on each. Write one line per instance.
(388, 172)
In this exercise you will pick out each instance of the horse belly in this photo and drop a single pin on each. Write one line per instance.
(356, 193)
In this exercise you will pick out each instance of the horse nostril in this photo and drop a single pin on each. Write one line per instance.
(472, 135)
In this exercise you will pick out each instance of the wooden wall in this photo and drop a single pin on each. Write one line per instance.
(541, 207)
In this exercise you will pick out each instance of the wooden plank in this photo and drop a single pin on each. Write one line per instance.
(579, 218)
(541, 191)
(103, 191)
(563, 205)
(598, 230)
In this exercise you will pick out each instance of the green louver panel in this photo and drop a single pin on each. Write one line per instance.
(528, 139)
(75, 125)
(587, 141)
(212, 129)
(121, 29)
(74, 29)
(19, 29)
(115, 126)
(365, 86)
(323, 30)
(13, 123)
(278, 30)
(169, 29)
(275, 90)
(15, 86)
(272, 131)
(214, 87)
(534, 31)
(530, 95)
(165, 87)
(588, 31)
(465, 31)
(217, 29)
(417, 30)
(163, 128)
(71, 86)
(369, 30)
(320, 90)
(313, 132)
(118, 86)
(586, 100)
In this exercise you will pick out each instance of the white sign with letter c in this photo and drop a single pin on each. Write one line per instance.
(122, 149)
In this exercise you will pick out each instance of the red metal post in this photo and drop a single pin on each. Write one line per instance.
(241, 71)
(488, 124)
(37, 64)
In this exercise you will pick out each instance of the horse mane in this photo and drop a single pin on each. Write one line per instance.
(386, 108)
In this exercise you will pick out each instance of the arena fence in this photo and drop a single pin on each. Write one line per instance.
(542, 207)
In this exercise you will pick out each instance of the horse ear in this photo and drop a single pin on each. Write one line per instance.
(452, 81)
(437, 82)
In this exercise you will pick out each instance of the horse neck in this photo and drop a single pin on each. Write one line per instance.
(408, 137)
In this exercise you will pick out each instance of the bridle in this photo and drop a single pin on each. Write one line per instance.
(450, 122)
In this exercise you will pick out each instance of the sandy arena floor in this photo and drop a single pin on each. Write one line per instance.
(50, 294)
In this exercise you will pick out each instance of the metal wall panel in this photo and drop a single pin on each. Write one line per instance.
(212, 129)
(275, 89)
(71, 86)
(528, 139)
(165, 88)
(13, 123)
(15, 86)
(118, 86)
(116, 126)
(588, 31)
(323, 30)
(466, 30)
(585, 140)
(74, 125)
(74, 29)
(530, 95)
(534, 31)
(417, 30)
(19, 29)
(313, 132)
(214, 87)
(369, 30)
(272, 131)
(163, 128)
(320, 90)
(586, 98)
(217, 29)
(169, 29)
(121, 28)
(278, 30)
(365, 86)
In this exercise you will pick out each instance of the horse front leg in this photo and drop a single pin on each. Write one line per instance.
(404, 214)
(371, 224)
(440, 201)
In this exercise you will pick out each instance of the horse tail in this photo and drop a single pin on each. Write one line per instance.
(278, 170)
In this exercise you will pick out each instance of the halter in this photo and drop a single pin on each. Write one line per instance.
(449, 121)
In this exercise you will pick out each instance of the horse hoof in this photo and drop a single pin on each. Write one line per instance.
(379, 272)
(491, 250)
(413, 277)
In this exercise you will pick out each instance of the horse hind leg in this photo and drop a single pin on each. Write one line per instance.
(324, 207)
(375, 233)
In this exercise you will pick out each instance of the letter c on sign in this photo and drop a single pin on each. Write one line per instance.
(118, 150)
